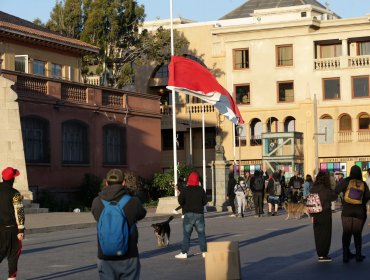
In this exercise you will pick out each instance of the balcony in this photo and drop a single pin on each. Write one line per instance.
(327, 63)
(359, 61)
(345, 137)
(363, 136)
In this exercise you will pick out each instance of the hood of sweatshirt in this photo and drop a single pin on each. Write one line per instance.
(113, 192)
(193, 180)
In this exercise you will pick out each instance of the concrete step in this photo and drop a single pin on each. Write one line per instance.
(36, 210)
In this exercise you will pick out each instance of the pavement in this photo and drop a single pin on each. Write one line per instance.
(56, 221)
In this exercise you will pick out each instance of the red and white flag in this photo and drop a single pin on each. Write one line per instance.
(190, 77)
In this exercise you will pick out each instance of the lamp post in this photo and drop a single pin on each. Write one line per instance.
(239, 130)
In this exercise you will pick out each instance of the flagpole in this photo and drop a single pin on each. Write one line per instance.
(173, 109)
(204, 153)
(233, 136)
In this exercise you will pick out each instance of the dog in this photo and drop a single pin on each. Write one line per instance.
(163, 231)
(296, 209)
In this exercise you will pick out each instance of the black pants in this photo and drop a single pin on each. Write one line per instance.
(352, 226)
(258, 202)
(322, 227)
(10, 247)
(232, 203)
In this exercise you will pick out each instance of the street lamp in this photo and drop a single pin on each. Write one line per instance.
(239, 130)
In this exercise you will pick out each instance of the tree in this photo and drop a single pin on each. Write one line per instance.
(66, 18)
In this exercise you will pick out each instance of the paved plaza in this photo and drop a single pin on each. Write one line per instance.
(270, 248)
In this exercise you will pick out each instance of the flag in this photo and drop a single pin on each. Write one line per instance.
(190, 77)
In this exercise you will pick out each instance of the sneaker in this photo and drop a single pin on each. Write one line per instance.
(175, 211)
(204, 254)
(256, 216)
(182, 217)
(324, 259)
(182, 256)
(232, 215)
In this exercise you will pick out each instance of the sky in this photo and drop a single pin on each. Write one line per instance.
(197, 10)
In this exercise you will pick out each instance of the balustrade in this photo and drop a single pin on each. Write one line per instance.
(345, 137)
(359, 61)
(29, 85)
(327, 63)
(73, 92)
(114, 99)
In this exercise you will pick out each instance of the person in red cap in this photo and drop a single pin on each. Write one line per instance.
(11, 221)
(193, 198)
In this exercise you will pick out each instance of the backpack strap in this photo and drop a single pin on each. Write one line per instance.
(122, 203)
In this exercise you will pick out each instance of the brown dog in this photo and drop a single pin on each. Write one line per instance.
(296, 209)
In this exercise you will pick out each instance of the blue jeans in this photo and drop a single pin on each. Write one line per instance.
(194, 220)
(128, 269)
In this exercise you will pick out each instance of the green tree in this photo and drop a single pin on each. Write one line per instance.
(66, 18)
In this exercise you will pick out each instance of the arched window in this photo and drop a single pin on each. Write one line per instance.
(345, 123)
(364, 122)
(326, 117)
(272, 125)
(35, 134)
(75, 143)
(114, 145)
(289, 124)
(256, 132)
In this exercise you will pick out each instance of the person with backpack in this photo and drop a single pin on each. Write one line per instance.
(117, 213)
(274, 191)
(239, 191)
(230, 193)
(258, 189)
(322, 220)
(12, 221)
(355, 196)
(193, 199)
(295, 185)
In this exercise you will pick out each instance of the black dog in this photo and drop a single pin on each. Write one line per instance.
(163, 231)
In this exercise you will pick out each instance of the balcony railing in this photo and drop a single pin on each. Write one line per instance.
(197, 108)
(359, 61)
(93, 80)
(30, 85)
(256, 140)
(73, 93)
(363, 136)
(113, 99)
(327, 63)
(345, 137)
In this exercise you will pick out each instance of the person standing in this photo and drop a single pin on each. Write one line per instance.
(322, 221)
(125, 266)
(258, 189)
(368, 184)
(274, 191)
(239, 191)
(230, 193)
(295, 185)
(353, 212)
(193, 198)
(307, 186)
(12, 220)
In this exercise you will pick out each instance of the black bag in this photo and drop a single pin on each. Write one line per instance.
(258, 184)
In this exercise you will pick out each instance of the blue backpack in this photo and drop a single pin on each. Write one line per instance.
(113, 230)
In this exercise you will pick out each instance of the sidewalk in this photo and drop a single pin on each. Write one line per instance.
(55, 221)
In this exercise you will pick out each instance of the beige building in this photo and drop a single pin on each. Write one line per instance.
(275, 59)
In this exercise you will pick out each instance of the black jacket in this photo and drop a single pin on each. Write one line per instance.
(193, 199)
(230, 186)
(134, 212)
(326, 194)
(11, 208)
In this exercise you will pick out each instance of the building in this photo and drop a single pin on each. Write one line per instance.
(277, 58)
(68, 128)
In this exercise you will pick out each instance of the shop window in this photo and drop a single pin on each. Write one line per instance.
(35, 134)
(334, 167)
(75, 143)
(345, 123)
(114, 145)
(286, 91)
(331, 88)
(364, 122)
(284, 55)
(242, 94)
(241, 59)
(360, 86)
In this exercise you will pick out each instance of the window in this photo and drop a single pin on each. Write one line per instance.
(242, 129)
(289, 124)
(167, 143)
(328, 51)
(35, 134)
(255, 132)
(360, 86)
(241, 59)
(345, 123)
(286, 91)
(71, 73)
(331, 88)
(21, 63)
(364, 122)
(242, 94)
(38, 67)
(303, 14)
(210, 137)
(363, 48)
(56, 70)
(114, 145)
(284, 55)
(75, 144)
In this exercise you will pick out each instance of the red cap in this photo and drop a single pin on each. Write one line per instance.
(193, 179)
(9, 173)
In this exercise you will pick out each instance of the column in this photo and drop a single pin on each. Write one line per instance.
(344, 57)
